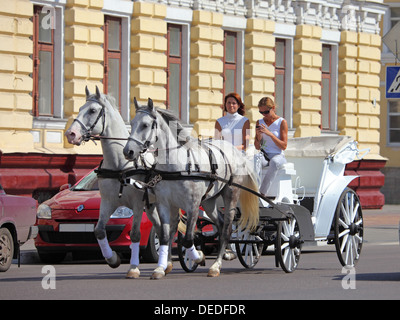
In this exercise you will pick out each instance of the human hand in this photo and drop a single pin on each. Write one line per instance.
(262, 129)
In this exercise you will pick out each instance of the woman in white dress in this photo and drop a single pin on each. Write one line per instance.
(271, 137)
(234, 126)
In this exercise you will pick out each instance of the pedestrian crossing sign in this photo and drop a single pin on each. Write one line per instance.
(393, 82)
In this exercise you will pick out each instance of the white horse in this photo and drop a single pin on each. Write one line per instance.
(188, 174)
(99, 116)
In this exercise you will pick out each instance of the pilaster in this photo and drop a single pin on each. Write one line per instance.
(148, 54)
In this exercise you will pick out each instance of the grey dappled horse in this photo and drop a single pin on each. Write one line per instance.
(178, 154)
(99, 116)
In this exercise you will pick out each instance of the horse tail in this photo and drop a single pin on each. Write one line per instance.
(249, 202)
(182, 223)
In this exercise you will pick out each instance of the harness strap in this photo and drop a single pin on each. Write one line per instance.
(121, 175)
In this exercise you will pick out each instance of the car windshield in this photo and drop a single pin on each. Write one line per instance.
(88, 183)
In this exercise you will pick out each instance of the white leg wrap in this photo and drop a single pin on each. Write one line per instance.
(163, 256)
(105, 248)
(192, 253)
(134, 253)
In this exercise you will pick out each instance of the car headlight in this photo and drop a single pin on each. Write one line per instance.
(122, 213)
(43, 211)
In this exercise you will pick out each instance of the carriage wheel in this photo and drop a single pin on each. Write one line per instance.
(349, 228)
(187, 264)
(248, 253)
(288, 244)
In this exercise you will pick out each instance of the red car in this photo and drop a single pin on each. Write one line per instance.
(66, 223)
(17, 219)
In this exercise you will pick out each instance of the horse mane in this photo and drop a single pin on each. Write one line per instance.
(107, 97)
(111, 100)
(182, 134)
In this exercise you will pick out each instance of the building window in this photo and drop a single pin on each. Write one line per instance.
(230, 62)
(280, 76)
(326, 85)
(174, 69)
(394, 121)
(394, 16)
(112, 58)
(43, 65)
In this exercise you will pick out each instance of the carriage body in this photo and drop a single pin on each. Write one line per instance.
(311, 202)
(320, 181)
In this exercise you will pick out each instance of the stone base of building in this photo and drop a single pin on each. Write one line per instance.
(369, 183)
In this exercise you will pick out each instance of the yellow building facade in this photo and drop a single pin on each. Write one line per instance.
(319, 59)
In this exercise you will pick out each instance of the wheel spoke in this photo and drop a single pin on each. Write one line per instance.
(343, 224)
(345, 213)
(344, 233)
(284, 237)
(286, 229)
(355, 211)
(344, 243)
(284, 246)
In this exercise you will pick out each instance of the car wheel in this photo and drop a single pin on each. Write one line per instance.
(6, 249)
(150, 254)
(53, 257)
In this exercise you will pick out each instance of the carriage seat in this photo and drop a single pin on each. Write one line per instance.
(281, 188)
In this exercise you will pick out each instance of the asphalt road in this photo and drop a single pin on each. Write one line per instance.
(318, 276)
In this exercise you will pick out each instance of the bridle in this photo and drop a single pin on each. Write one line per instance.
(88, 131)
(145, 145)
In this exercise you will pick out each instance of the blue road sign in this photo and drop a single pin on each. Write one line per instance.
(393, 82)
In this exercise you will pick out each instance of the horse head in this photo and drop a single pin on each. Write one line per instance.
(143, 130)
(90, 120)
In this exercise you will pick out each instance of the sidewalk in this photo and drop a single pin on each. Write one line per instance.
(389, 215)
(382, 226)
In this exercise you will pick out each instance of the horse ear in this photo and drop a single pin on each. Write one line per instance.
(87, 92)
(136, 103)
(98, 94)
(150, 104)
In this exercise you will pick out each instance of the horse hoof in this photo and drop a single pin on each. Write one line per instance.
(202, 260)
(229, 255)
(213, 273)
(169, 268)
(114, 261)
(133, 273)
(158, 273)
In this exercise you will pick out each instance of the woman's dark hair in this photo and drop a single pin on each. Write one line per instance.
(236, 96)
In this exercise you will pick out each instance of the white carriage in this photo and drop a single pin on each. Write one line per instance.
(311, 201)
